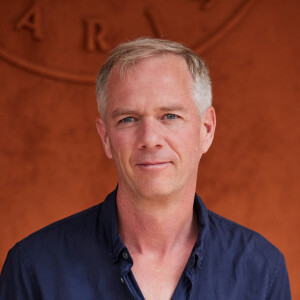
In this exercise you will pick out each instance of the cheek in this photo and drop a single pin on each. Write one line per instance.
(193, 144)
(122, 146)
(186, 142)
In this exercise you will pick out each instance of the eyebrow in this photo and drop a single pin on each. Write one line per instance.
(173, 108)
(120, 112)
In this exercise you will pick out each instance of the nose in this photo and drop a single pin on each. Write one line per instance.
(150, 134)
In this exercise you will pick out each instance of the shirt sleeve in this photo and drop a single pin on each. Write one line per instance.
(279, 287)
(16, 280)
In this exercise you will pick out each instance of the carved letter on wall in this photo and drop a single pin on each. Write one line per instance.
(95, 34)
(207, 4)
(151, 16)
(32, 21)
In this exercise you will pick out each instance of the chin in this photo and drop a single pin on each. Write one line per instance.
(156, 190)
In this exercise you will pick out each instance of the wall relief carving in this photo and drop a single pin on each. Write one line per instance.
(50, 38)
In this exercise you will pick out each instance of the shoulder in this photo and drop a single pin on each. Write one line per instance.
(236, 240)
(48, 252)
(253, 260)
(75, 227)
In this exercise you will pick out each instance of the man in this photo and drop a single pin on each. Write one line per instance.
(152, 238)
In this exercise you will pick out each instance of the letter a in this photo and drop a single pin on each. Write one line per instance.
(32, 21)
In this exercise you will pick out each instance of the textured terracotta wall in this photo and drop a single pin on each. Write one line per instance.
(51, 161)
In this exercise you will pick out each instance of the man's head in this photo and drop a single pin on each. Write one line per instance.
(127, 55)
(150, 124)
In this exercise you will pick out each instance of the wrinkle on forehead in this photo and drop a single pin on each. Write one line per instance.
(127, 69)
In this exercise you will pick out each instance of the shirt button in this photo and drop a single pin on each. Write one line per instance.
(125, 255)
(122, 280)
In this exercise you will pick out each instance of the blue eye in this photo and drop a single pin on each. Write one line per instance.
(127, 120)
(170, 116)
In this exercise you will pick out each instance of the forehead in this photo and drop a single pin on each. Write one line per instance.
(166, 77)
(141, 70)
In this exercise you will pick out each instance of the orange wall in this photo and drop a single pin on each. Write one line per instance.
(51, 160)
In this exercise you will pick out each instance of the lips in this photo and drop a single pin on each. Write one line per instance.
(152, 165)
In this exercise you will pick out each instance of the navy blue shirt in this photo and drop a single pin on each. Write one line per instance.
(83, 257)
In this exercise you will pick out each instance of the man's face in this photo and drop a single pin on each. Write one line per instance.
(153, 130)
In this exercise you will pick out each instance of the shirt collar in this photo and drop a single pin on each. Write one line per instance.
(203, 227)
(110, 224)
(109, 221)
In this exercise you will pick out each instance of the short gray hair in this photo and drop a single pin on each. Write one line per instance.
(126, 55)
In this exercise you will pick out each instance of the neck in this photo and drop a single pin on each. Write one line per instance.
(157, 227)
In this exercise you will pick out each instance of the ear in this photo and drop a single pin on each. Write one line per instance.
(101, 127)
(208, 126)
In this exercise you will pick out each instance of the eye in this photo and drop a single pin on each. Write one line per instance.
(170, 117)
(127, 120)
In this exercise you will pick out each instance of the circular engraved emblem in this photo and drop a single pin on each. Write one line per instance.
(69, 40)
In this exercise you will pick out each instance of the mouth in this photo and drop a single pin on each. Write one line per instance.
(153, 165)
